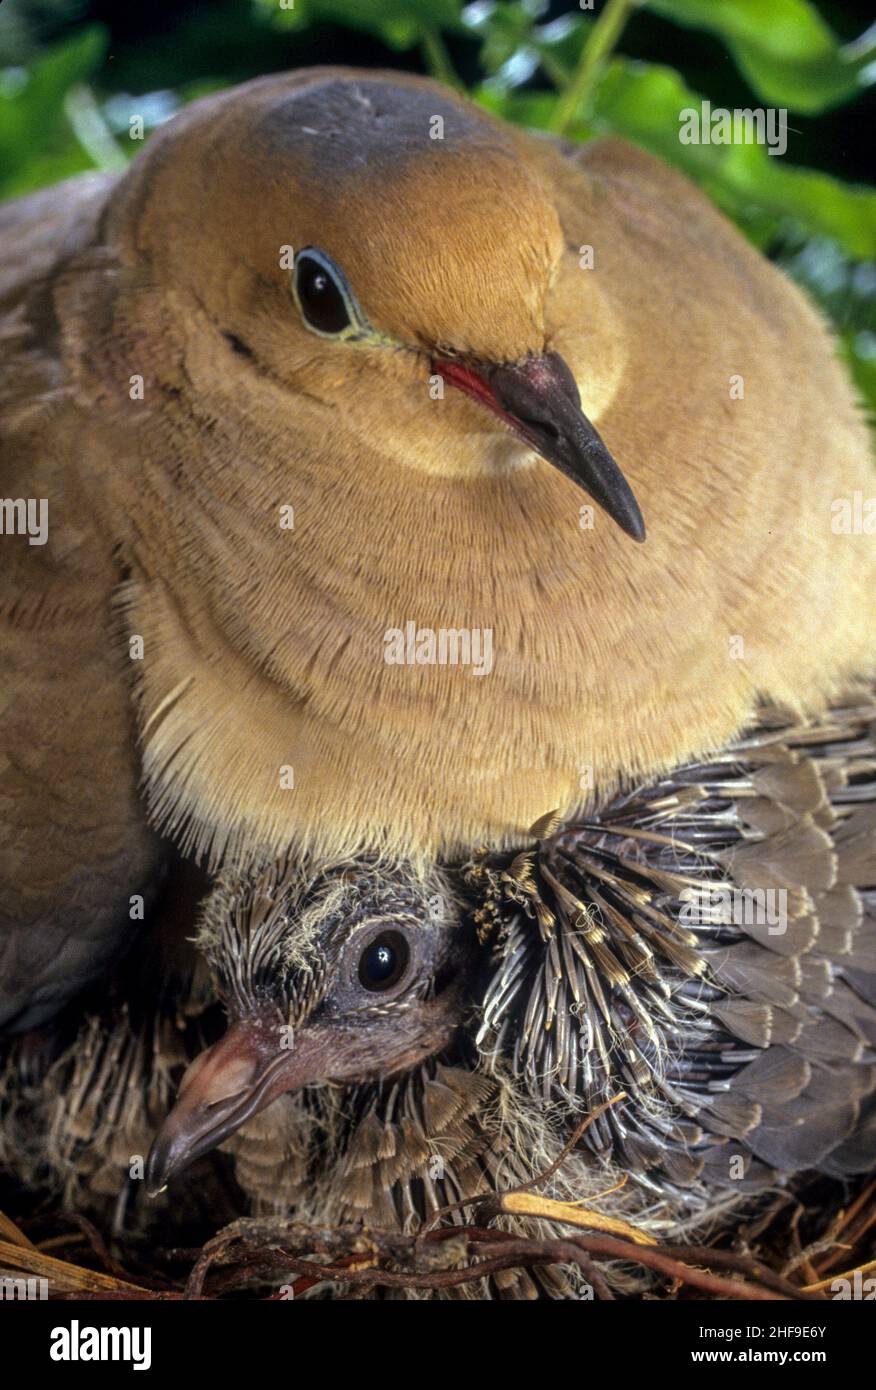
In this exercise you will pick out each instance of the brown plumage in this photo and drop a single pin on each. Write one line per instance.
(263, 647)
(615, 953)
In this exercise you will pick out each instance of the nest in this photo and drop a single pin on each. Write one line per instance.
(816, 1244)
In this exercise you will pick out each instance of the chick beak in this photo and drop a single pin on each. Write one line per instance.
(226, 1085)
(538, 400)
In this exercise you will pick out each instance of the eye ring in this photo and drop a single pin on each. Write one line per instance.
(383, 962)
(325, 300)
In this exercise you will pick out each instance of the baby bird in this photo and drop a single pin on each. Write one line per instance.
(357, 976)
(705, 946)
(340, 382)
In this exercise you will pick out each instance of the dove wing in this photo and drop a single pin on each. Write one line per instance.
(74, 845)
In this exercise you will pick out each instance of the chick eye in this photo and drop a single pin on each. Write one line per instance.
(322, 294)
(384, 961)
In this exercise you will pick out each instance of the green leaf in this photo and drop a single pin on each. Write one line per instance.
(531, 109)
(783, 48)
(37, 143)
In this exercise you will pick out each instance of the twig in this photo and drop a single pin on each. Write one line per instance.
(546, 1209)
(848, 1275)
(96, 1241)
(9, 1231)
(846, 1219)
(67, 1277)
(449, 1258)
(595, 53)
(438, 59)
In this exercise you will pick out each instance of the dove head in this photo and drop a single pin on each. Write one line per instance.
(356, 976)
(373, 250)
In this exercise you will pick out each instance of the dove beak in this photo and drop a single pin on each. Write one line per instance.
(538, 400)
(226, 1085)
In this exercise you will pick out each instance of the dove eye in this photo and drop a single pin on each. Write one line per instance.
(323, 295)
(384, 961)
